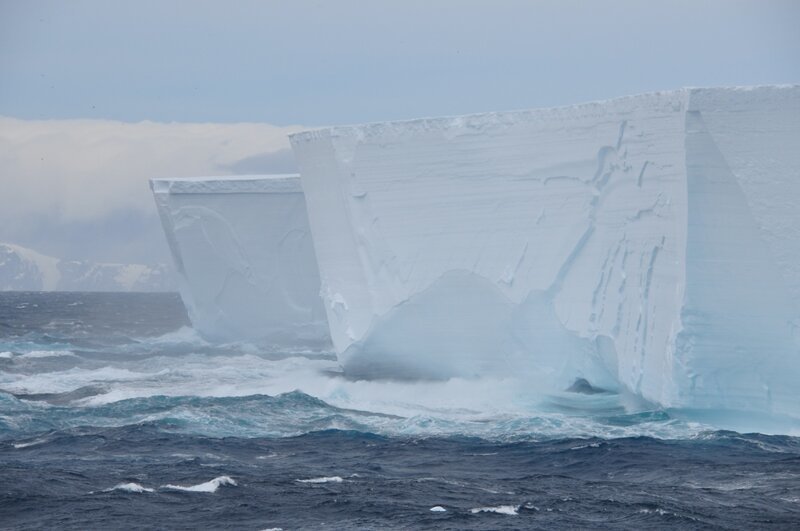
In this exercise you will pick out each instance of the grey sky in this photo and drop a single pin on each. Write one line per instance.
(306, 62)
(329, 61)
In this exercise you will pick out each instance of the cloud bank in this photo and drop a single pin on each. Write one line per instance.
(90, 177)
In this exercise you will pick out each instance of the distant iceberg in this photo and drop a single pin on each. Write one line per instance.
(649, 243)
(244, 258)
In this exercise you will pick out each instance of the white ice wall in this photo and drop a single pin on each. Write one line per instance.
(567, 242)
(739, 344)
(244, 257)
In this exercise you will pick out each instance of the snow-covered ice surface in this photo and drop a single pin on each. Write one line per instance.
(648, 244)
(244, 257)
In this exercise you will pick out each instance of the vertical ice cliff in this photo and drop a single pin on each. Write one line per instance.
(649, 242)
(739, 342)
(244, 257)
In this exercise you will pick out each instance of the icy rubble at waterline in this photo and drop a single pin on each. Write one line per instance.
(246, 266)
(649, 243)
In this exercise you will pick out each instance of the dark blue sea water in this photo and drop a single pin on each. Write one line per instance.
(114, 414)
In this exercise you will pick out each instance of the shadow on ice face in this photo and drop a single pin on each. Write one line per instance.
(462, 326)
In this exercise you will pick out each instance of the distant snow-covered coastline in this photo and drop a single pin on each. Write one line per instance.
(23, 269)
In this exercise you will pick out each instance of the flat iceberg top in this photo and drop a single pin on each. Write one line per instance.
(678, 99)
(234, 184)
(647, 244)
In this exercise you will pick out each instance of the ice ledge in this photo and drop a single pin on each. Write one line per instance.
(238, 184)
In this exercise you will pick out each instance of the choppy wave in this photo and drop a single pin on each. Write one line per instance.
(144, 366)
(296, 413)
(183, 384)
(350, 479)
(112, 409)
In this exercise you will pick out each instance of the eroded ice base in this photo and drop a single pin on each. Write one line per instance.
(464, 326)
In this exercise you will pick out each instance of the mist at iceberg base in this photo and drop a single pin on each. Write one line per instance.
(185, 384)
(464, 326)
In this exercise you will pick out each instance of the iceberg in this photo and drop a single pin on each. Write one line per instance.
(649, 244)
(245, 262)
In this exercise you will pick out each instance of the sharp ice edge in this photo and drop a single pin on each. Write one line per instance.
(244, 258)
(665, 233)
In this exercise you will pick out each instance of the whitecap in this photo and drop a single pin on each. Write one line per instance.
(659, 511)
(491, 408)
(510, 510)
(183, 335)
(29, 443)
(130, 487)
(438, 509)
(208, 486)
(328, 479)
(47, 354)
(581, 447)
(6, 355)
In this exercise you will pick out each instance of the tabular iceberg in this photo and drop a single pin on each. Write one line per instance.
(244, 257)
(650, 243)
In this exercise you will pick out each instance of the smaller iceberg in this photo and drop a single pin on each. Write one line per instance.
(244, 257)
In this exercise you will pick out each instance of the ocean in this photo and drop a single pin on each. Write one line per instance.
(115, 414)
